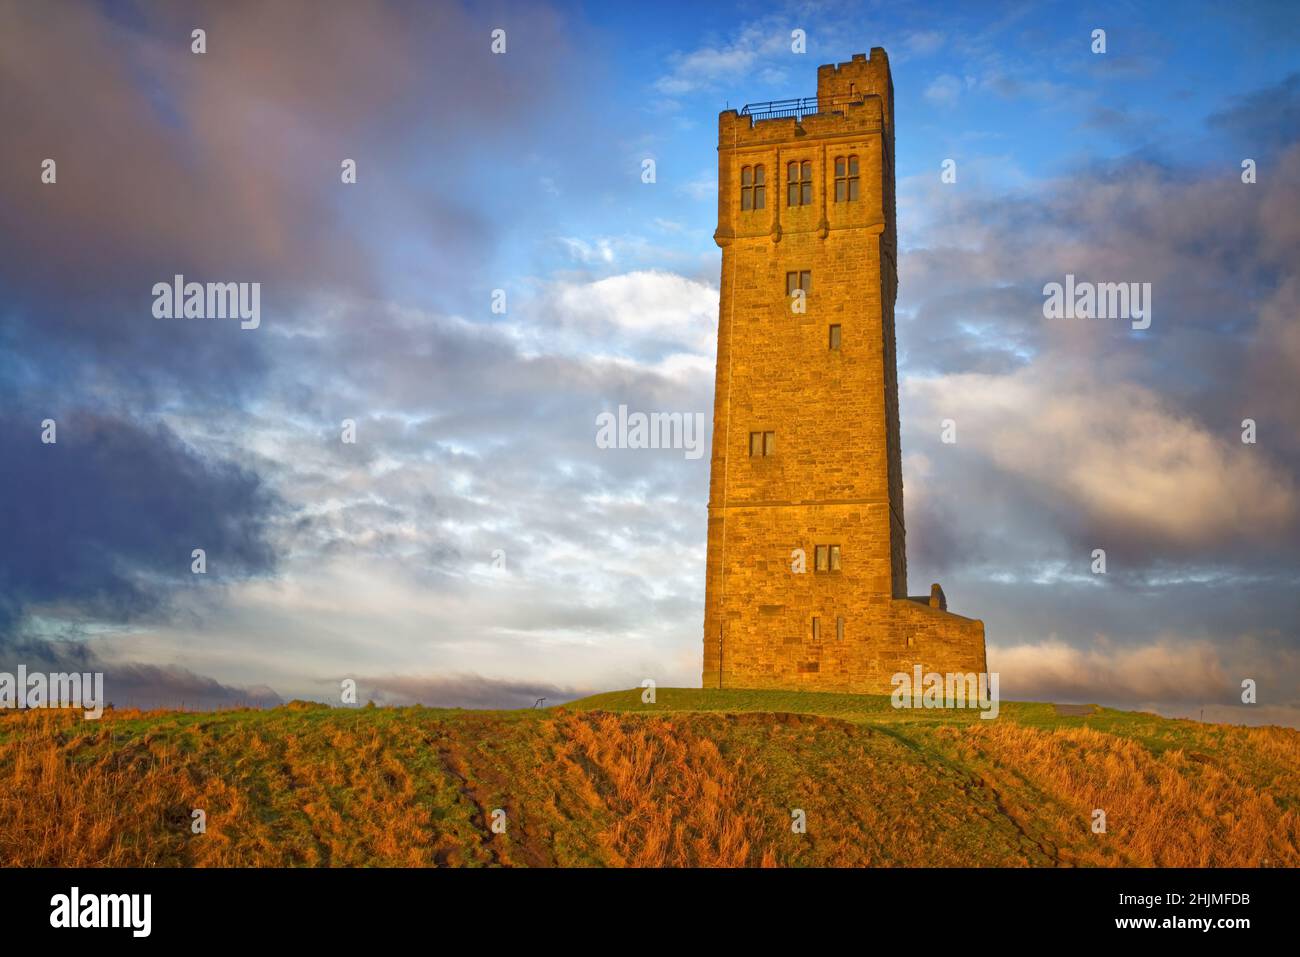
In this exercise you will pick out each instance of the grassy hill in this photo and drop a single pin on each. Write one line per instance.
(698, 778)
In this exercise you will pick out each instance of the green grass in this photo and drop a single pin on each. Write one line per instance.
(1151, 730)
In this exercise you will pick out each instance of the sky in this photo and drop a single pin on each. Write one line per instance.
(474, 546)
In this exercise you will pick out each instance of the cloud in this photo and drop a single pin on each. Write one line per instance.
(1173, 671)
(140, 685)
(1121, 460)
(225, 166)
(947, 89)
(599, 251)
(923, 42)
(1074, 435)
(386, 546)
(462, 691)
(1111, 120)
(706, 66)
(944, 90)
(704, 186)
(132, 684)
(1262, 123)
(1172, 674)
(102, 522)
(645, 314)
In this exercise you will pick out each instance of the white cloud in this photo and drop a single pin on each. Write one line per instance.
(705, 66)
(944, 89)
(1169, 674)
(596, 251)
(704, 186)
(923, 42)
(637, 314)
(1117, 452)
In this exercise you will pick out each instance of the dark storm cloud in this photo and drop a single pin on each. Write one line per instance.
(994, 331)
(462, 691)
(131, 684)
(1076, 435)
(141, 685)
(225, 166)
(102, 521)
(1263, 122)
(1101, 418)
(99, 528)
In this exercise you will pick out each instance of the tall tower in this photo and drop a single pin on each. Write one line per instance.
(806, 583)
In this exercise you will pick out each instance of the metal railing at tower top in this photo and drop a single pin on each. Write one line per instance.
(798, 108)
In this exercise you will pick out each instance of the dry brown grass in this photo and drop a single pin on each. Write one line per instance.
(55, 811)
(1170, 809)
(677, 801)
(417, 787)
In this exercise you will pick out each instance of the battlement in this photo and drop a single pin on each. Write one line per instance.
(852, 97)
(859, 77)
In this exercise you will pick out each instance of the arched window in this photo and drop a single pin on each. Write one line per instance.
(799, 184)
(846, 179)
(753, 189)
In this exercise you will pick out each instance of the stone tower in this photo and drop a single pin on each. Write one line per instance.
(806, 459)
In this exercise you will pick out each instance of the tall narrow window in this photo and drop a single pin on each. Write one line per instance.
(798, 184)
(846, 179)
(839, 628)
(835, 558)
(835, 337)
(817, 629)
(769, 443)
(821, 561)
(753, 189)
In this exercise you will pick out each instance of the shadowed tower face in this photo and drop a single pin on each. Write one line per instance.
(807, 572)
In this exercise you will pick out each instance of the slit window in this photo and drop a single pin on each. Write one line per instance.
(846, 179)
(839, 628)
(834, 340)
(798, 184)
(826, 558)
(817, 629)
